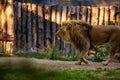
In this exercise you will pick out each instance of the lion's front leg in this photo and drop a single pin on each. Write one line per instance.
(82, 57)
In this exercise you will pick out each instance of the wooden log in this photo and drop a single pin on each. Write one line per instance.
(9, 18)
(24, 25)
(40, 27)
(47, 13)
(15, 25)
(73, 13)
(107, 15)
(101, 17)
(6, 24)
(47, 20)
(68, 15)
(112, 13)
(29, 26)
(59, 13)
(78, 13)
(53, 21)
(89, 14)
(95, 18)
(64, 12)
(34, 25)
(3, 16)
(19, 25)
(83, 11)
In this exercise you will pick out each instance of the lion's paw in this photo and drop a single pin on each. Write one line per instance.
(104, 63)
(78, 63)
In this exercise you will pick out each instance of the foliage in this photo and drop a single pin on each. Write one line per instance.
(54, 53)
(101, 52)
(26, 71)
(74, 55)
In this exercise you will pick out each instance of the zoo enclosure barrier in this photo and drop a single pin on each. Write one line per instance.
(36, 24)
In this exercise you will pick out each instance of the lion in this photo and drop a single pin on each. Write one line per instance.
(83, 35)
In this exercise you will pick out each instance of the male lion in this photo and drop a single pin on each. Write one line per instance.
(83, 36)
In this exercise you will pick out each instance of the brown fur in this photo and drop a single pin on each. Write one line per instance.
(83, 36)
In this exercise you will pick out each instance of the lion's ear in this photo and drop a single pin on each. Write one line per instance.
(69, 26)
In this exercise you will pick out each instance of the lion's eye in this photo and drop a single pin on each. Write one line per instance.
(61, 30)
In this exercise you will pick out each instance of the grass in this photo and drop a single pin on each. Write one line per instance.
(26, 71)
(33, 55)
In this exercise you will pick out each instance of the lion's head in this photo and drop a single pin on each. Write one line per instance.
(64, 31)
(72, 28)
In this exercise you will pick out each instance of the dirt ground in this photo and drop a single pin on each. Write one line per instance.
(53, 64)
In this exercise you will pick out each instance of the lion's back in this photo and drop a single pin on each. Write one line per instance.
(101, 34)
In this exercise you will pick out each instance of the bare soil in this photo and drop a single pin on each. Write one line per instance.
(53, 64)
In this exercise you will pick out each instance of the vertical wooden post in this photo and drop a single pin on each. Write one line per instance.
(24, 25)
(19, 25)
(47, 10)
(106, 15)
(112, 13)
(83, 10)
(101, 16)
(34, 32)
(58, 21)
(6, 25)
(64, 12)
(73, 13)
(3, 16)
(94, 16)
(10, 18)
(40, 27)
(89, 13)
(53, 21)
(29, 26)
(68, 15)
(15, 25)
(78, 13)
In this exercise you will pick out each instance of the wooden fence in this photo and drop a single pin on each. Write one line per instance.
(36, 24)
(6, 26)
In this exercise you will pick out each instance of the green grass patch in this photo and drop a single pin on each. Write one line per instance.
(26, 71)
(32, 55)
